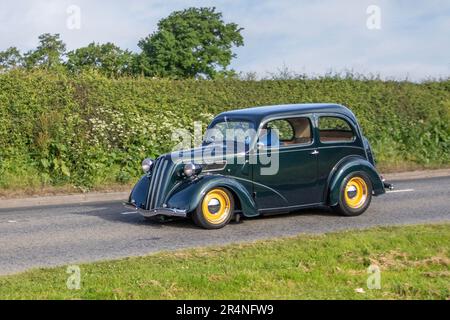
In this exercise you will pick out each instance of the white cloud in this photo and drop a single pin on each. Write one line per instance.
(306, 36)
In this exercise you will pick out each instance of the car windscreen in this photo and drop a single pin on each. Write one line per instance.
(237, 131)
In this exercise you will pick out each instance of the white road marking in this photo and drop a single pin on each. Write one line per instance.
(12, 221)
(404, 190)
(127, 213)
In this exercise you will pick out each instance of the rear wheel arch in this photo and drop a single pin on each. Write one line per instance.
(352, 164)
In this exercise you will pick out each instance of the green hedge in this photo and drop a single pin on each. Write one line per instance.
(90, 130)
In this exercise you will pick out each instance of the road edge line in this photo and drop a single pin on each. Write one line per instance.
(98, 197)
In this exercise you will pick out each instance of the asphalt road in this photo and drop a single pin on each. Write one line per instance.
(62, 235)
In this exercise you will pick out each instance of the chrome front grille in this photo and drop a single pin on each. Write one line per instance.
(158, 183)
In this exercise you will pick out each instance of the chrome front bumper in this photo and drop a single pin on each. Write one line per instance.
(156, 212)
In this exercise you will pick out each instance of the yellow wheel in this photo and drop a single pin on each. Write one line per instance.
(215, 209)
(355, 194)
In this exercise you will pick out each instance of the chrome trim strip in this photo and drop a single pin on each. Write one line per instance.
(152, 183)
(159, 182)
(156, 184)
(167, 179)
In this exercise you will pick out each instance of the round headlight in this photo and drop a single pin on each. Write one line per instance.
(191, 169)
(147, 165)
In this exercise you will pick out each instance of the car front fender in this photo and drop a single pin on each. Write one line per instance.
(346, 167)
(139, 194)
(188, 195)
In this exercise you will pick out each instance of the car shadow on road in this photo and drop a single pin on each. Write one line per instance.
(323, 212)
(115, 213)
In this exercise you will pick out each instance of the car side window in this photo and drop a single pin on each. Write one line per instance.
(285, 130)
(292, 131)
(334, 129)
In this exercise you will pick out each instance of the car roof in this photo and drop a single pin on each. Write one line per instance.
(259, 113)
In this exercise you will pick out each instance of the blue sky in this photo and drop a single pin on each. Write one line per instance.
(311, 37)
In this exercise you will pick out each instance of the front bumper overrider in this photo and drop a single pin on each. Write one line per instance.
(386, 185)
(169, 212)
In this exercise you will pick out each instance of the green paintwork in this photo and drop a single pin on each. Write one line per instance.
(139, 193)
(295, 182)
(309, 175)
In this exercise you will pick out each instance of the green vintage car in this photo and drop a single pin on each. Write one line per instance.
(264, 160)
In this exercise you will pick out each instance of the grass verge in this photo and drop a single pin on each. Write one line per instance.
(414, 263)
(45, 191)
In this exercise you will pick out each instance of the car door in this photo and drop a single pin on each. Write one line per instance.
(293, 155)
(337, 138)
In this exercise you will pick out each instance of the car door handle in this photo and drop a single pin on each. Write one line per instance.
(314, 152)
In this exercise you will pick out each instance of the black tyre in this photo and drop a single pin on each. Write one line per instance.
(215, 210)
(355, 195)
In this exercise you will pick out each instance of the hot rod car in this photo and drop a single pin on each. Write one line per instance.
(318, 157)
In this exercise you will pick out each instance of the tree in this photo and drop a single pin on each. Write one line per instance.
(191, 43)
(107, 58)
(10, 59)
(48, 54)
